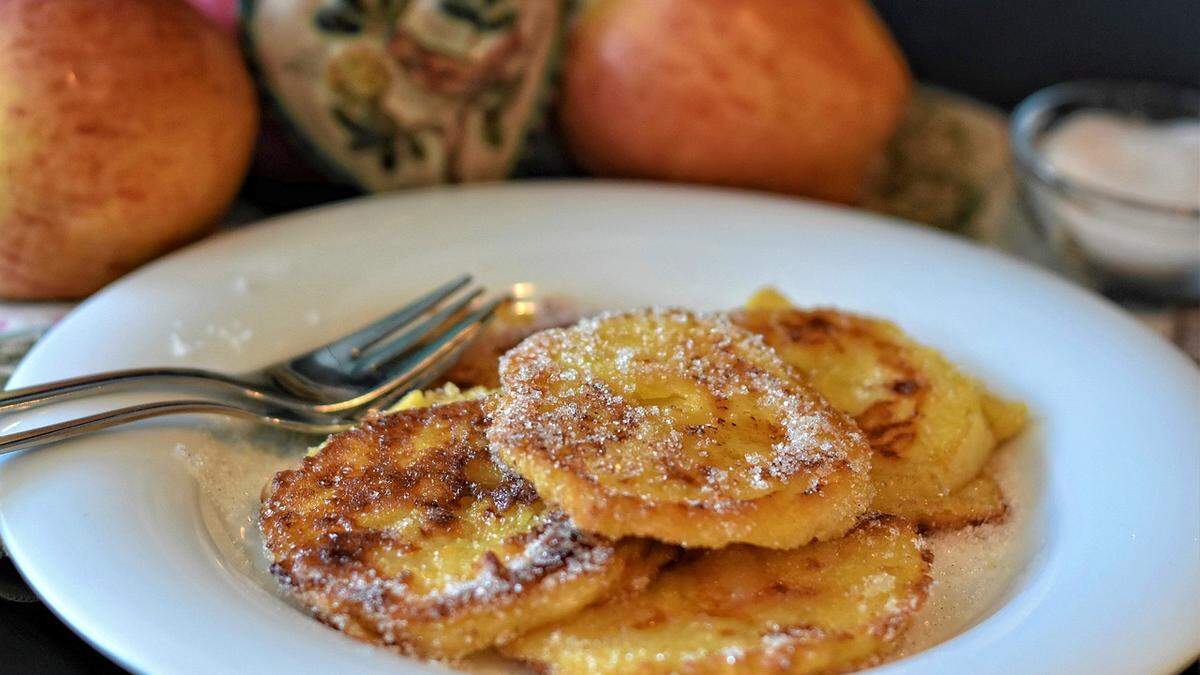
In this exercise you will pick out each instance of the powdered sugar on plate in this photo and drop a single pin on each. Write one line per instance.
(974, 568)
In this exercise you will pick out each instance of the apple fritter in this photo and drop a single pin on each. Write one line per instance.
(681, 427)
(931, 427)
(827, 607)
(405, 532)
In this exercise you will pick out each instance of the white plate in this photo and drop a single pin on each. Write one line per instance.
(110, 529)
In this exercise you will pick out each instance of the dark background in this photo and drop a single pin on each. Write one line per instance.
(996, 50)
(1003, 50)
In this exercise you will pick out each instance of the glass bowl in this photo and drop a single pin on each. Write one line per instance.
(1125, 245)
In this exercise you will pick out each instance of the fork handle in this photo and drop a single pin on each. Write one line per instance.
(38, 395)
(84, 425)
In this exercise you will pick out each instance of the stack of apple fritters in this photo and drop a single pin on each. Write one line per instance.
(652, 491)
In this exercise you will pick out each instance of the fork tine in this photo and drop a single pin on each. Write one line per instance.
(360, 340)
(380, 354)
(420, 367)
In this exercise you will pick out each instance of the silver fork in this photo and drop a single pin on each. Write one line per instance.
(289, 420)
(395, 352)
(360, 374)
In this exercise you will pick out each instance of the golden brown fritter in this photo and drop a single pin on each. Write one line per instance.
(931, 427)
(405, 532)
(681, 427)
(827, 607)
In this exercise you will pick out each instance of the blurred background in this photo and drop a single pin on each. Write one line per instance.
(935, 149)
(1001, 54)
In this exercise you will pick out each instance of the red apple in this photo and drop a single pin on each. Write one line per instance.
(797, 96)
(125, 130)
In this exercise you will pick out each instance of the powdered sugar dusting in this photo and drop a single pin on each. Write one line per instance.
(686, 400)
(405, 522)
(183, 339)
(975, 566)
(557, 552)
